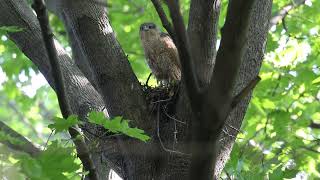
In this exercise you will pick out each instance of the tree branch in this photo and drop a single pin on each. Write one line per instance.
(249, 69)
(19, 142)
(284, 11)
(82, 149)
(188, 73)
(164, 20)
(93, 40)
(245, 91)
(218, 99)
(82, 96)
(202, 33)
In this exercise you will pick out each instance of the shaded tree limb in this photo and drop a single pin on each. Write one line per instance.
(202, 33)
(94, 43)
(249, 69)
(188, 73)
(218, 98)
(19, 143)
(283, 12)
(82, 96)
(81, 147)
(164, 20)
(252, 84)
(90, 30)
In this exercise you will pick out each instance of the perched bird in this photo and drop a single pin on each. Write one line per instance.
(161, 54)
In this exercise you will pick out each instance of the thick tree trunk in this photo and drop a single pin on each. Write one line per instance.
(110, 83)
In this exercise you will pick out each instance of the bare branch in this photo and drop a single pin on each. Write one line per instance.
(284, 11)
(245, 92)
(217, 101)
(82, 149)
(249, 69)
(164, 20)
(188, 73)
(22, 143)
(202, 33)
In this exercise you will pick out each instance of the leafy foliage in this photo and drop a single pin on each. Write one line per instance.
(56, 162)
(117, 125)
(61, 124)
(277, 140)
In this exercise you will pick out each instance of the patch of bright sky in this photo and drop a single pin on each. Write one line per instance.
(314, 31)
(289, 53)
(36, 82)
(4, 38)
(308, 3)
(114, 176)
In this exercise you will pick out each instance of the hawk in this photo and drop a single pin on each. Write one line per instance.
(161, 53)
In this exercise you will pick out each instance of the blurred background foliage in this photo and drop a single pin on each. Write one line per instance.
(279, 138)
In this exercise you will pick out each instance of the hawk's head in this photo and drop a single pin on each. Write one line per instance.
(149, 31)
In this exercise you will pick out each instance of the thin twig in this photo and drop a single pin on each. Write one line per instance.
(284, 12)
(236, 129)
(164, 20)
(148, 79)
(47, 142)
(245, 92)
(227, 133)
(171, 117)
(159, 137)
(81, 147)
(161, 100)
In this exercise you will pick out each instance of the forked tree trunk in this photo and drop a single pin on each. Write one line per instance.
(99, 76)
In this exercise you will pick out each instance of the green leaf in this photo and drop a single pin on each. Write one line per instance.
(61, 124)
(61, 160)
(97, 117)
(316, 81)
(56, 162)
(117, 125)
(30, 167)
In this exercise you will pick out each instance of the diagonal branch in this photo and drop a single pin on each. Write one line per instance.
(164, 20)
(18, 142)
(236, 100)
(82, 149)
(284, 11)
(188, 73)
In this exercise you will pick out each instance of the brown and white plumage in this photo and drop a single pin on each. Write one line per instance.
(161, 53)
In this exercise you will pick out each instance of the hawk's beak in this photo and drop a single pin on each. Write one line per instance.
(146, 28)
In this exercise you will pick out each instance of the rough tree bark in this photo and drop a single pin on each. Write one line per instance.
(99, 76)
